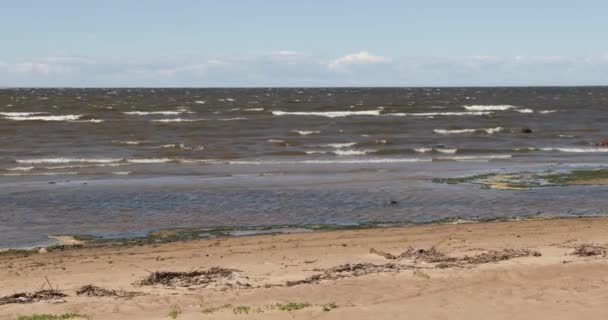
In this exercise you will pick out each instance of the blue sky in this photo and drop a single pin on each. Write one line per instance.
(303, 43)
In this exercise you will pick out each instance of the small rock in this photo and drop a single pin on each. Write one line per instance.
(42, 250)
(603, 143)
(526, 130)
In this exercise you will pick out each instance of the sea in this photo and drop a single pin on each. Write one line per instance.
(122, 162)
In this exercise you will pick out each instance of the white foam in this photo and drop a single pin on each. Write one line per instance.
(322, 161)
(232, 119)
(178, 120)
(576, 150)
(460, 131)
(20, 114)
(329, 114)
(351, 152)
(547, 111)
(305, 133)
(433, 114)
(40, 174)
(423, 150)
(168, 112)
(69, 117)
(525, 110)
(444, 150)
(476, 158)
(340, 145)
(89, 121)
(21, 169)
(254, 109)
(121, 173)
(67, 160)
(130, 142)
(489, 107)
(143, 161)
(200, 102)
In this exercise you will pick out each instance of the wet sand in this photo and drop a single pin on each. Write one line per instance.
(336, 270)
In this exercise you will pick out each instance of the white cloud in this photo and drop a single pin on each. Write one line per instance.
(358, 58)
(287, 53)
(32, 67)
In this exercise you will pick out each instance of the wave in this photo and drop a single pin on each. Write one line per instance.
(433, 114)
(325, 161)
(68, 160)
(21, 169)
(575, 150)
(525, 110)
(423, 150)
(339, 145)
(329, 114)
(40, 174)
(475, 158)
(168, 112)
(20, 114)
(305, 133)
(461, 131)
(350, 152)
(153, 160)
(177, 120)
(69, 117)
(130, 142)
(489, 107)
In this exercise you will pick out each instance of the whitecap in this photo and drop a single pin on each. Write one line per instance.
(576, 150)
(547, 111)
(178, 120)
(305, 133)
(339, 145)
(254, 109)
(69, 117)
(444, 150)
(423, 150)
(351, 152)
(329, 114)
(433, 114)
(489, 107)
(444, 131)
(525, 110)
(476, 158)
(143, 161)
(168, 112)
(20, 114)
(68, 160)
(200, 102)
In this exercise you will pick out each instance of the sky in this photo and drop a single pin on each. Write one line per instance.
(262, 43)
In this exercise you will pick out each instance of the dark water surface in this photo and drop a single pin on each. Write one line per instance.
(123, 161)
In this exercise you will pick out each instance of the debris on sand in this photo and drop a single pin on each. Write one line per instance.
(349, 271)
(94, 291)
(431, 255)
(588, 250)
(386, 255)
(31, 297)
(444, 261)
(187, 279)
(496, 256)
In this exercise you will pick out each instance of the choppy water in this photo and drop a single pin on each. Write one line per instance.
(123, 161)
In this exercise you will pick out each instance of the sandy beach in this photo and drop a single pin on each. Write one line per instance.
(500, 270)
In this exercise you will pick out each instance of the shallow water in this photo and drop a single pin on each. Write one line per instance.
(125, 161)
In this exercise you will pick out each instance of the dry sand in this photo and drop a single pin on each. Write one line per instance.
(555, 285)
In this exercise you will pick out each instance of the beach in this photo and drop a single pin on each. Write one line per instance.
(544, 268)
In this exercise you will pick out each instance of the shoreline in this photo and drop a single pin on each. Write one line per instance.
(168, 235)
(554, 268)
